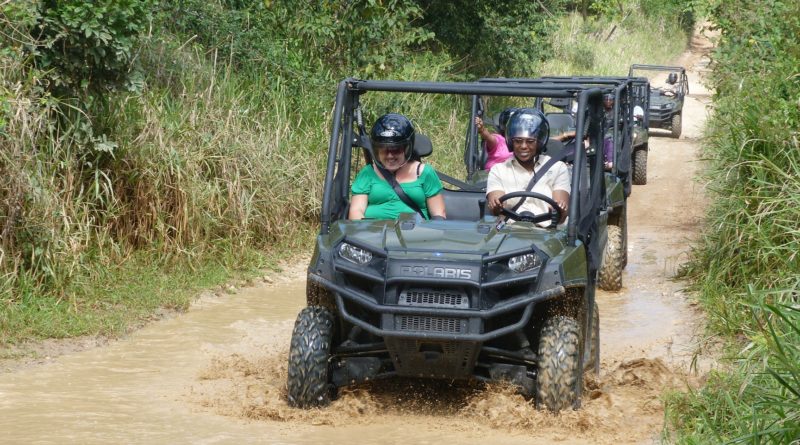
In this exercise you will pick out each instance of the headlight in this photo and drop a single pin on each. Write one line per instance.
(354, 254)
(524, 263)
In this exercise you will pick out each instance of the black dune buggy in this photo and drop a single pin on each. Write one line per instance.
(669, 87)
(469, 297)
(635, 101)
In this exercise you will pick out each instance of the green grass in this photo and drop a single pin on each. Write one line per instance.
(590, 48)
(109, 301)
(746, 267)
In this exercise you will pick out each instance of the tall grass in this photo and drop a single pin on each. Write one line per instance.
(608, 46)
(746, 266)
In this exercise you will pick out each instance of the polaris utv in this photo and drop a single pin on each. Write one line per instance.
(669, 86)
(470, 297)
(628, 93)
(638, 100)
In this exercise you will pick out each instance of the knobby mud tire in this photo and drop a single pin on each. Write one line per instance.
(640, 167)
(610, 273)
(593, 364)
(677, 123)
(308, 381)
(557, 376)
(623, 223)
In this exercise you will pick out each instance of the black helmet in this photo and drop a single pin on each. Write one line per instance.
(672, 78)
(503, 119)
(527, 123)
(393, 130)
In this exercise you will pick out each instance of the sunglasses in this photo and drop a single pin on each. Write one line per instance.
(393, 149)
(524, 141)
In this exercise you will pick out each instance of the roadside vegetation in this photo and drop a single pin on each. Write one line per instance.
(746, 268)
(153, 148)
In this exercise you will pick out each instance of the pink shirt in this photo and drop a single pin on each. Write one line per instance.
(497, 151)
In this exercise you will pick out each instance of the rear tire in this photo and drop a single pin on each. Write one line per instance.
(610, 273)
(623, 224)
(677, 122)
(308, 383)
(640, 166)
(557, 377)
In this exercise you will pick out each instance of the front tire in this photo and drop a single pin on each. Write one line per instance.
(557, 376)
(308, 383)
(594, 347)
(677, 123)
(610, 273)
(640, 166)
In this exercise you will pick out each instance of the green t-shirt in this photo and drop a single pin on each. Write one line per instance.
(383, 202)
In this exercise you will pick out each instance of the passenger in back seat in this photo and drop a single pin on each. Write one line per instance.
(527, 133)
(496, 147)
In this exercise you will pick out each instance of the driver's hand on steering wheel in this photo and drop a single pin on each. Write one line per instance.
(493, 201)
(562, 199)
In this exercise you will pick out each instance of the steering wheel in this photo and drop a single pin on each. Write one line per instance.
(554, 215)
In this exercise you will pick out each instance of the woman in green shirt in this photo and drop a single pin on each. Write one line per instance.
(373, 197)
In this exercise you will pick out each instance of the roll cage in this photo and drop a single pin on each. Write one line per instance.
(345, 140)
(683, 81)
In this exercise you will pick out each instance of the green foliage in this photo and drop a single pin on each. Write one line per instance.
(89, 46)
(746, 266)
(680, 11)
(508, 38)
(366, 37)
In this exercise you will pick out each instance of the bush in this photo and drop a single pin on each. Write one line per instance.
(89, 46)
(498, 38)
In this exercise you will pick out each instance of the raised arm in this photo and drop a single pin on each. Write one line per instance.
(486, 135)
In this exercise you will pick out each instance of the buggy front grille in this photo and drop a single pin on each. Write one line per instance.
(449, 298)
(430, 324)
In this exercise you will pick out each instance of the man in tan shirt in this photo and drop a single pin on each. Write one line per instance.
(526, 132)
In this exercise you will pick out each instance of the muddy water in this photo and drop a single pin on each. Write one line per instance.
(216, 374)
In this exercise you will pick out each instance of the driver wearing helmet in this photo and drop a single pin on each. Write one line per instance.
(526, 134)
(374, 197)
(672, 78)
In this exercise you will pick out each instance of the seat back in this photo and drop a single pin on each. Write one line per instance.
(559, 122)
(462, 205)
(423, 147)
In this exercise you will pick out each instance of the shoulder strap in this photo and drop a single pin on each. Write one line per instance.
(389, 176)
(538, 175)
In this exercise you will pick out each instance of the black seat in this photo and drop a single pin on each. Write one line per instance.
(423, 147)
(462, 205)
(559, 122)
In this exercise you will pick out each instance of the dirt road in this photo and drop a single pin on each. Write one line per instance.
(216, 374)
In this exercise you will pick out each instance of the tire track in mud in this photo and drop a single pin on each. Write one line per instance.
(646, 333)
(620, 405)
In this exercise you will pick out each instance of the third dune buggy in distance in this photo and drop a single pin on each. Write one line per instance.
(669, 87)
